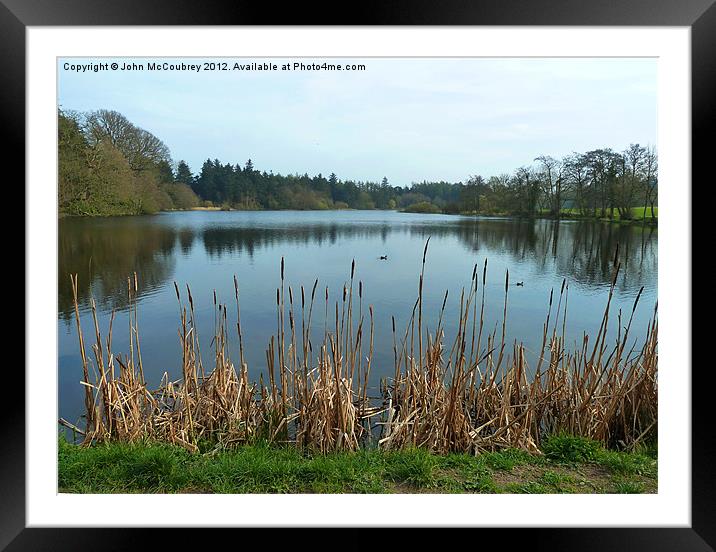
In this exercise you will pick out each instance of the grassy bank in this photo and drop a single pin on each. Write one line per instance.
(639, 215)
(567, 465)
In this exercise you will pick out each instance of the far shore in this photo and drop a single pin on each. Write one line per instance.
(567, 216)
(206, 209)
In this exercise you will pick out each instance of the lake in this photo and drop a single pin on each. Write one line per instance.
(205, 249)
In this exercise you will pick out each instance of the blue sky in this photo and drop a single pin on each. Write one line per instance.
(407, 119)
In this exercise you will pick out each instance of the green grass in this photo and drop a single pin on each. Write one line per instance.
(638, 214)
(565, 448)
(568, 465)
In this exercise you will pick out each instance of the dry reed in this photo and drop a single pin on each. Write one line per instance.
(477, 395)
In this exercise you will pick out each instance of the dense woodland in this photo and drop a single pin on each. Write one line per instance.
(109, 166)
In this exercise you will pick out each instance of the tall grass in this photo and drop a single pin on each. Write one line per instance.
(474, 394)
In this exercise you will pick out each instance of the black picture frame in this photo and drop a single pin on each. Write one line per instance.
(699, 15)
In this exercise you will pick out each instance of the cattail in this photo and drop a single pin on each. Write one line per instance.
(445, 400)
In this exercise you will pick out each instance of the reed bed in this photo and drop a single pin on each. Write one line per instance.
(473, 394)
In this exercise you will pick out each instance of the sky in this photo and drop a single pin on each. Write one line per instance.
(407, 119)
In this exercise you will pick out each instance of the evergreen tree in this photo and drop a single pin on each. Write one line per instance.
(183, 173)
(164, 170)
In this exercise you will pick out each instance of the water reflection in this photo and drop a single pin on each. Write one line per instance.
(205, 249)
(580, 251)
(104, 252)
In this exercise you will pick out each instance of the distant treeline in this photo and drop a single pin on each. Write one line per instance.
(247, 188)
(110, 166)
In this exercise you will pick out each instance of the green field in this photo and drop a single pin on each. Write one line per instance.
(567, 465)
(637, 214)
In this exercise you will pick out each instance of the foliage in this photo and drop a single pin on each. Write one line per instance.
(109, 166)
(597, 184)
(422, 207)
(141, 149)
(181, 195)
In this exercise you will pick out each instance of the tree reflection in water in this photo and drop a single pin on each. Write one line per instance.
(104, 252)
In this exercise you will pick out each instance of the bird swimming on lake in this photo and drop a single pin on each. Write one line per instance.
(520, 284)
(384, 257)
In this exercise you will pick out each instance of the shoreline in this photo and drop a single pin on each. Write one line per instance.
(566, 218)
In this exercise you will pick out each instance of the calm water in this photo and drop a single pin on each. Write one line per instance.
(205, 250)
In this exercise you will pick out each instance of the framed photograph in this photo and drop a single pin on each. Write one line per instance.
(404, 272)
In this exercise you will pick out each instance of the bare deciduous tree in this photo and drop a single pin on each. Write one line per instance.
(141, 148)
(555, 184)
